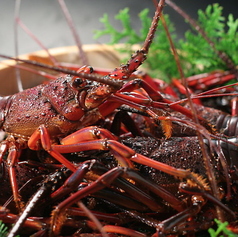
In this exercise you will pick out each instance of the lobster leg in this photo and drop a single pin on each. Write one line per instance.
(132, 190)
(122, 117)
(73, 181)
(157, 100)
(42, 134)
(120, 152)
(198, 199)
(158, 190)
(85, 139)
(122, 230)
(98, 170)
(111, 217)
(149, 105)
(87, 134)
(100, 183)
(46, 187)
(12, 158)
(167, 225)
(234, 106)
(119, 199)
(206, 80)
(31, 223)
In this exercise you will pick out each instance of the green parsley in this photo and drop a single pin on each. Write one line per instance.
(195, 53)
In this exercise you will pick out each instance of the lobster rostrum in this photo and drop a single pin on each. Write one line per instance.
(50, 115)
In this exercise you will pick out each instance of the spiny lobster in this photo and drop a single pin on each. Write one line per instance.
(67, 104)
(55, 110)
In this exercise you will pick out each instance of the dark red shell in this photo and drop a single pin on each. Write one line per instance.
(32, 107)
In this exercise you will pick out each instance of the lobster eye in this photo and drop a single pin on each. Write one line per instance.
(77, 83)
(90, 69)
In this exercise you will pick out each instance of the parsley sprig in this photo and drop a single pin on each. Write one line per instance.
(196, 55)
(4, 230)
(221, 229)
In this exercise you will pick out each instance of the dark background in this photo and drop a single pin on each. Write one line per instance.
(45, 19)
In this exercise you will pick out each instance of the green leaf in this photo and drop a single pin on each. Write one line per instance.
(221, 229)
(199, 54)
(4, 230)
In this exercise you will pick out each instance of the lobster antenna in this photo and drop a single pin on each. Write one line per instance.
(230, 65)
(27, 30)
(105, 79)
(69, 20)
(17, 71)
(155, 21)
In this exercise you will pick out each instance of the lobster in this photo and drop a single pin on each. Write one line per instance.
(68, 104)
(64, 105)
(171, 193)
